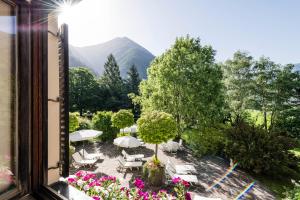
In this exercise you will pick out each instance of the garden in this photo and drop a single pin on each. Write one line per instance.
(245, 111)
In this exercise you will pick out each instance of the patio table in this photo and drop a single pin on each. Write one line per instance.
(185, 169)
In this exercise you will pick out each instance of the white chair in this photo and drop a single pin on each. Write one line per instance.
(131, 158)
(171, 174)
(128, 165)
(79, 161)
(90, 156)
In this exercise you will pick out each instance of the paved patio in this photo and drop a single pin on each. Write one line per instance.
(209, 170)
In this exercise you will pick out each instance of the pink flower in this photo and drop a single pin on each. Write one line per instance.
(188, 196)
(176, 180)
(71, 180)
(80, 173)
(139, 183)
(96, 198)
(185, 183)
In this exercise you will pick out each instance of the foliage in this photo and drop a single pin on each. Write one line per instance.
(237, 79)
(73, 122)
(102, 122)
(210, 141)
(293, 194)
(84, 124)
(132, 84)
(259, 151)
(185, 82)
(156, 127)
(121, 134)
(122, 119)
(83, 88)
(109, 188)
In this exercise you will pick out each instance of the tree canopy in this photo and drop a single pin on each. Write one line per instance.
(185, 82)
(123, 118)
(156, 127)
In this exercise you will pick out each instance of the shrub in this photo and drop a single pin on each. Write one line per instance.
(156, 127)
(122, 119)
(71, 152)
(84, 123)
(210, 141)
(259, 151)
(102, 122)
(123, 134)
(73, 122)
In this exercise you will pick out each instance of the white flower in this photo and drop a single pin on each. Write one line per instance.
(86, 187)
(97, 189)
(80, 182)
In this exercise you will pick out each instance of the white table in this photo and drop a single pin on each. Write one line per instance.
(185, 169)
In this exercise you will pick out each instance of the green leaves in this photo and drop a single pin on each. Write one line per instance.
(122, 119)
(156, 127)
(185, 82)
(73, 122)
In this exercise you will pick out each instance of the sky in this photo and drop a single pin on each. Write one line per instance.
(260, 27)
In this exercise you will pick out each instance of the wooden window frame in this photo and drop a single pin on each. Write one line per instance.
(32, 105)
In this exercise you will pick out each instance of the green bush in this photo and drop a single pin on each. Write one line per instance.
(102, 122)
(260, 151)
(84, 124)
(122, 119)
(156, 127)
(71, 152)
(123, 134)
(210, 141)
(293, 194)
(73, 122)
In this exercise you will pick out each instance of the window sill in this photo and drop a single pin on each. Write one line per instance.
(69, 192)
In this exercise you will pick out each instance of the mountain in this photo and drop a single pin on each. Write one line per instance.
(126, 52)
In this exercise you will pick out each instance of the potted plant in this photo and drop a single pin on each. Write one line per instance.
(155, 127)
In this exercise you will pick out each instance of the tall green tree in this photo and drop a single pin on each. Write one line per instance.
(185, 82)
(237, 79)
(83, 90)
(112, 82)
(111, 77)
(133, 80)
(264, 75)
(132, 83)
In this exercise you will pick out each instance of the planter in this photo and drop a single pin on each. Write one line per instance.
(154, 174)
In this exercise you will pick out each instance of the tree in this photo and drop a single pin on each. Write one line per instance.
(185, 82)
(83, 89)
(102, 122)
(156, 127)
(73, 122)
(264, 76)
(122, 119)
(113, 83)
(237, 79)
(133, 80)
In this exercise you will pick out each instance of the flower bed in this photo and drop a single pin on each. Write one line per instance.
(109, 187)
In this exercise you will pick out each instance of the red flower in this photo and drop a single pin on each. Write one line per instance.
(188, 196)
(185, 183)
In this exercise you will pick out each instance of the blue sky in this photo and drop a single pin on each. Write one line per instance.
(261, 27)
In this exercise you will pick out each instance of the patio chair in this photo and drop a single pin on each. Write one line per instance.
(90, 156)
(132, 158)
(79, 161)
(192, 179)
(182, 168)
(124, 165)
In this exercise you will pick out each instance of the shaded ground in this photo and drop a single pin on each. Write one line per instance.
(209, 171)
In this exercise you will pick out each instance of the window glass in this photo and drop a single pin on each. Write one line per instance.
(8, 141)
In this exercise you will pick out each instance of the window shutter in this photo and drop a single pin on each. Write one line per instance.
(64, 99)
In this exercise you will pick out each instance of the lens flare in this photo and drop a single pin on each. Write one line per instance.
(227, 173)
(247, 189)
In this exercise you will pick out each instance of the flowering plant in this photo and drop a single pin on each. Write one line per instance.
(108, 188)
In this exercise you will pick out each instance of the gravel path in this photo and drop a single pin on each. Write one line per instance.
(209, 170)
